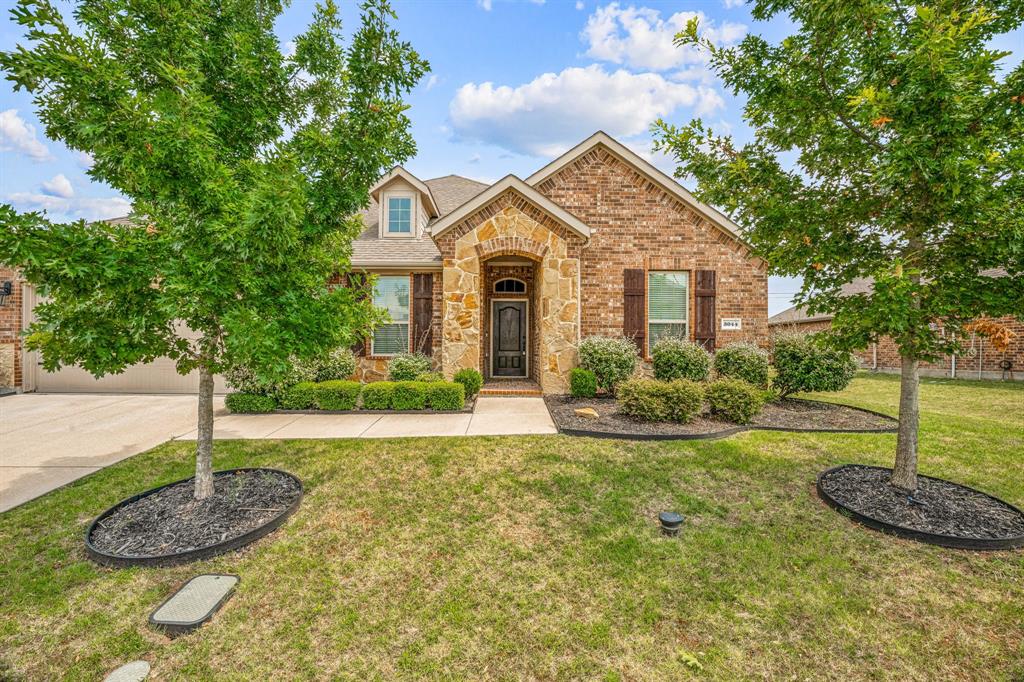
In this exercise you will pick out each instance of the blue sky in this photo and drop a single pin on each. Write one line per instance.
(513, 83)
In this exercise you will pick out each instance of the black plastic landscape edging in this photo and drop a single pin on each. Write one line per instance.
(732, 430)
(119, 561)
(951, 541)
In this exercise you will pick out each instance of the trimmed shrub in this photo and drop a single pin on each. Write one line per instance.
(743, 361)
(802, 364)
(612, 360)
(471, 380)
(340, 363)
(735, 400)
(408, 366)
(377, 396)
(245, 380)
(301, 396)
(430, 377)
(409, 395)
(445, 395)
(684, 400)
(338, 395)
(582, 383)
(676, 358)
(642, 399)
(249, 403)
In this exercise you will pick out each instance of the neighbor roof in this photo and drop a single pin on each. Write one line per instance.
(601, 138)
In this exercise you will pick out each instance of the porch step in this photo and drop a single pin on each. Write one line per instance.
(508, 392)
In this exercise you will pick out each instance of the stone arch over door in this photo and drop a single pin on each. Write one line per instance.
(513, 232)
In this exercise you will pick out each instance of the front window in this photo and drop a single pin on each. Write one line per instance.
(399, 215)
(667, 305)
(392, 294)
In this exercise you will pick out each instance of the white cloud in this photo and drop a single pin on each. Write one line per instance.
(85, 160)
(432, 81)
(639, 37)
(732, 4)
(71, 208)
(554, 111)
(484, 4)
(58, 186)
(579, 4)
(473, 159)
(18, 136)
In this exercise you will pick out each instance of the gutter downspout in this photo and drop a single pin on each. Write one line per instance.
(952, 366)
(874, 357)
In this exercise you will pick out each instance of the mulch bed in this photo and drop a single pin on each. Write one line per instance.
(938, 507)
(171, 521)
(797, 415)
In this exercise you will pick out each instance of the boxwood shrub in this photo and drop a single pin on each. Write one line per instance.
(430, 377)
(338, 395)
(735, 400)
(582, 383)
(301, 396)
(676, 358)
(642, 399)
(377, 395)
(471, 380)
(743, 361)
(409, 395)
(408, 366)
(684, 400)
(249, 403)
(612, 360)
(445, 395)
(802, 363)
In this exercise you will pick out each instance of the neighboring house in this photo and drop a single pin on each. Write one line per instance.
(981, 360)
(507, 278)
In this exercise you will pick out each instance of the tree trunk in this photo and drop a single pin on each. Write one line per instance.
(204, 438)
(904, 472)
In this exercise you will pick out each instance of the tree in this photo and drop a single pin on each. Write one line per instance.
(245, 168)
(888, 143)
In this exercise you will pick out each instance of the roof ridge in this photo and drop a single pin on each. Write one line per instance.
(456, 175)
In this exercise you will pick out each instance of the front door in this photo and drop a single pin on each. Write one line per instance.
(508, 321)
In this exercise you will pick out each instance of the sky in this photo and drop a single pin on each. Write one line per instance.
(513, 84)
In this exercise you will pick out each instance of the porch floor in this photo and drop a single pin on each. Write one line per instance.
(510, 387)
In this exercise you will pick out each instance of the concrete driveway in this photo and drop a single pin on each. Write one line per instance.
(48, 440)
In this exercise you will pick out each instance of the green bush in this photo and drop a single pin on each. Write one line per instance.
(377, 395)
(430, 377)
(643, 399)
(445, 395)
(409, 395)
(245, 380)
(337, 394)
(340, 363)
(684, 400)
(582, 383)
(743, 361)
(471, 380)
(301, 396)
(803, 363)
(249, 403)
(611, 360)
(676, 358)
(408, 366)
(735, 400)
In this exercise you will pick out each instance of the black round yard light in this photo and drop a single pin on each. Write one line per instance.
(671, 523)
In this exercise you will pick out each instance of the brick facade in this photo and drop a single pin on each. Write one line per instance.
(635, 223)
(11, 371)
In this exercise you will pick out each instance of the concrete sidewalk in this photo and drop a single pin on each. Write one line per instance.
(492, 416)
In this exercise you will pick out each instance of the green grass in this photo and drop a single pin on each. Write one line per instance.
(539, 557)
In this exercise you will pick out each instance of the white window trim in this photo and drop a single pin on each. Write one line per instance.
(647, 311)
(407, 323)
(385, 233)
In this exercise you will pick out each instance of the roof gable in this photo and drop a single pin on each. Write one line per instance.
(494, 191)
(399, 173)
(642, 166)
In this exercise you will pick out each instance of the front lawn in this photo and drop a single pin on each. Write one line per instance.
(539, 557)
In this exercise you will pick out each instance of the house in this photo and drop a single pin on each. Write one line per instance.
(508, 277)
(981, 360)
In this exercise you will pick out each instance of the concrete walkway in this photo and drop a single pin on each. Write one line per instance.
(492, 416)
(49, 440)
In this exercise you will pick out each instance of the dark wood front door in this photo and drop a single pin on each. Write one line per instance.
(508, 322)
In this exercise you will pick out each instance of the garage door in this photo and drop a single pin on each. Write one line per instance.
(159, 376)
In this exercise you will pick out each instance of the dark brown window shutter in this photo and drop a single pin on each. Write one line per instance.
(423, 312)
(704, 313)
(633, 293)
(356, 280)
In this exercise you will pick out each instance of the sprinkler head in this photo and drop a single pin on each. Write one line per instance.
(671, 523)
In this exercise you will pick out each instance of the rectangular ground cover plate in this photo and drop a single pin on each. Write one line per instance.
(194, 604)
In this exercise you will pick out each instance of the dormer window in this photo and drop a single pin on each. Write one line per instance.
(399, 217)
